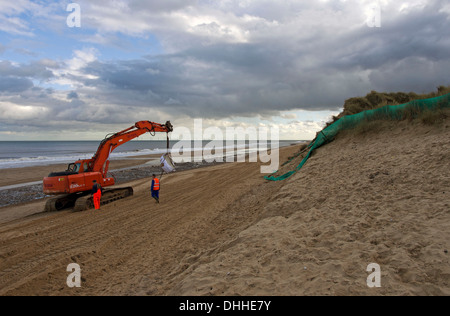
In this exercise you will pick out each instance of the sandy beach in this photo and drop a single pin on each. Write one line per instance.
(22, 185)
(379, 197)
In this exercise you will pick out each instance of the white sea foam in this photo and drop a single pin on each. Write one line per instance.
(61, 159)
(228, 150)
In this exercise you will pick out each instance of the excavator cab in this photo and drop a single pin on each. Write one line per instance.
(79, 166)
(74, 167)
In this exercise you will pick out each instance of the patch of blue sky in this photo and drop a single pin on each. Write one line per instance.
(60, 46)
(54, 86)
(56, 41)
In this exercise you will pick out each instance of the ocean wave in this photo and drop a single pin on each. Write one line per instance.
(21, 162)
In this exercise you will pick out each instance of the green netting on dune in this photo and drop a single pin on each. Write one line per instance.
(393, 112)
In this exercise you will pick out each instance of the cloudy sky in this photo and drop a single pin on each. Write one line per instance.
(284, 63)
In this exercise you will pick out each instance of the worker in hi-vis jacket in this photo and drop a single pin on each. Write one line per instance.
(155, 188)
(97, 194)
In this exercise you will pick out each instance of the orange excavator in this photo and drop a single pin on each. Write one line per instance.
(74, 185)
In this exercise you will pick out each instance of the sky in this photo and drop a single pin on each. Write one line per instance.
(286, 64)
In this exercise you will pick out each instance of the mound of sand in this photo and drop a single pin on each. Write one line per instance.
(378, 198)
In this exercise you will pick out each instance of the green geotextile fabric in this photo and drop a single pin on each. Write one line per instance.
(393, 112)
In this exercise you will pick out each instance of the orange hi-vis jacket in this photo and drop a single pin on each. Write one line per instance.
(156, 184)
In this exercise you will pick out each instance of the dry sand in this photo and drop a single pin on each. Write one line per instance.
(26, 183)
(378, 198)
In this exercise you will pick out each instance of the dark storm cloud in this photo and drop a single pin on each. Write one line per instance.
(411, 50)
(10, 84)
(35, 70)
(19, 78)
(72, 95)
(418, 34)
(160, 6)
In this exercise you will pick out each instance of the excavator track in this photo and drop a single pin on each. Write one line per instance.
(61, 202)
(83, 202)
(108, 196)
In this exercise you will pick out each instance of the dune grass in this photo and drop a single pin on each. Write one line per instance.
(375, 100)
(434, 117)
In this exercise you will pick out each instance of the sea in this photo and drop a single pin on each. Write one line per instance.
(19, 154)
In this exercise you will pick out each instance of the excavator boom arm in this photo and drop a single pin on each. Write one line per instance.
(100, 161)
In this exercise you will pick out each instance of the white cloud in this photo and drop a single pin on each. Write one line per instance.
(71, 73)
(12, 111)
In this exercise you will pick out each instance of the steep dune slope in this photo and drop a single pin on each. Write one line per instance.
(375, 197)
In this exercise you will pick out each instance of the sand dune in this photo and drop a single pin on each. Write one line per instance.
(381, 197)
